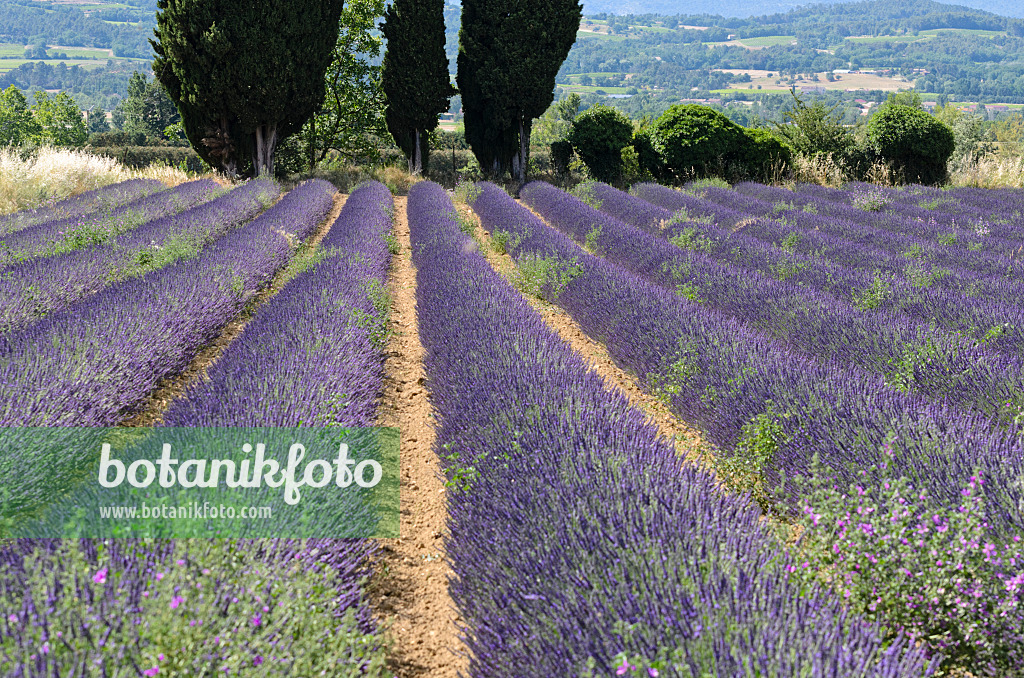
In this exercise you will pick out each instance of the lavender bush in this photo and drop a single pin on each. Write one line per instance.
(767, 409)
(248, 608)
(31, 290)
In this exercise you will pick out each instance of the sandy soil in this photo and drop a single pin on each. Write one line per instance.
(151, 411)
(411, 586)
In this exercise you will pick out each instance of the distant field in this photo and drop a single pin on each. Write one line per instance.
(758, 43)
(844, 81)
(594, 88)
(923, 35)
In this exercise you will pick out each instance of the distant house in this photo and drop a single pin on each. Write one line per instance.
(842, 71)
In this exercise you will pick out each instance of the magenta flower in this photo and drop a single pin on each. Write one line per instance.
(176, 601)
(100, 577)
(151, 672)
(257, 620)
(160, 657)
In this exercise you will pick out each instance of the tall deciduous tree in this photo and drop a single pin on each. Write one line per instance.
(60, 119)
(414, 75)
(244, 74)
(350, 120)
(509, 54)
(16, 122)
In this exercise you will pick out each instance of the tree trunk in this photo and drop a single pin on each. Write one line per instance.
(266, 144)
(417, 158)
(524, 151)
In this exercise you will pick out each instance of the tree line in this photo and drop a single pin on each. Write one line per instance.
(247, 77)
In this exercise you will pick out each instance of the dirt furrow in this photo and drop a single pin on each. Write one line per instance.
(151, 411)
(411, 585)
(686, 438)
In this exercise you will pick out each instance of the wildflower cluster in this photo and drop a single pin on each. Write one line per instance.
(871, 201)
(938, 576)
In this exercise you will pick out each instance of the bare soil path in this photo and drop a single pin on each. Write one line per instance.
(411, 586)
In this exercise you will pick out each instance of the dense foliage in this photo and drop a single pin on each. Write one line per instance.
(598, 135)
(414, 75)
(244, 76)
(508, 59)
(915, 143)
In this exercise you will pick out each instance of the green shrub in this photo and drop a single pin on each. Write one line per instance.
(763, 155)
(599, 135)
(561, 154)
(650, 163)
(695, 141)
(914, 143)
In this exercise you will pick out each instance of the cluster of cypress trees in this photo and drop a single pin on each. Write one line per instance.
(246, 75)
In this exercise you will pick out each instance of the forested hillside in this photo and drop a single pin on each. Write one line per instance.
(746, 8)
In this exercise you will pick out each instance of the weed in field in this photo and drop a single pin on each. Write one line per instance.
(934, 575)
(921, 275)
(760, 440)
(466, 192)
(590, 242)
(543, 277)
(872, 297)
(871, 201)
(584, 191)
(692, 239)
(947, 239)
(504, 242)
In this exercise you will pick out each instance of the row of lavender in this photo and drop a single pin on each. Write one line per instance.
(94, 362)
(31, 290)
(105, 198)
(810, 259)
(269, 607)
(824, 428)
(65, 235)
(947, 266)
(909, 353)
(580, 544)
(734, 383)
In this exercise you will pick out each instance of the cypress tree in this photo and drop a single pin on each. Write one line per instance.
(509, 55)
(244, 75)
(414, 75)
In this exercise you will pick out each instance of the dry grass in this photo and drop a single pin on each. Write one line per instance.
(55, 173)
(821, 169)
(990, 172)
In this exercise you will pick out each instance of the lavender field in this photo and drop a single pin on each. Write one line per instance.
(852, 361)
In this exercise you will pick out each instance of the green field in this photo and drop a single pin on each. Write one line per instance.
(593, 89)
(763, 41)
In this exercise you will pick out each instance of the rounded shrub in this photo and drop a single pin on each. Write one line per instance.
(599, 135)
(763, 154)
(696, 141)
(913, 142)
